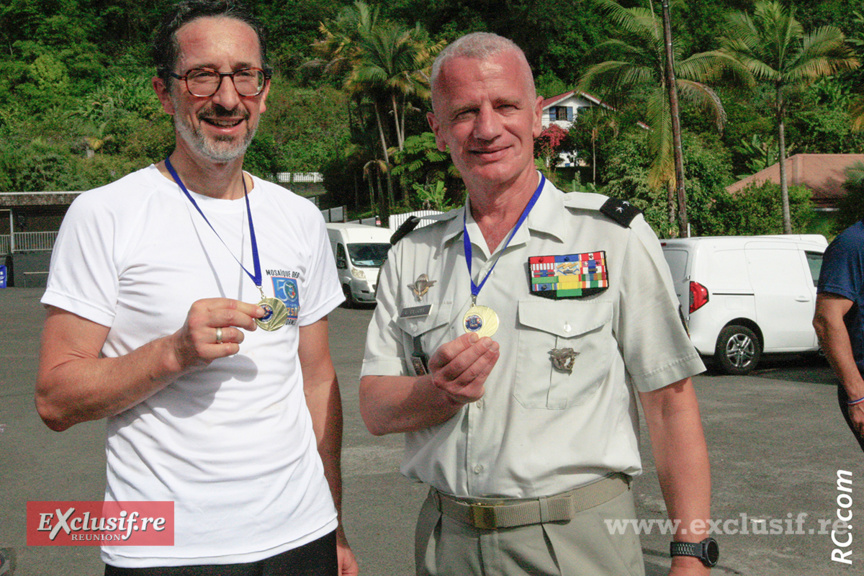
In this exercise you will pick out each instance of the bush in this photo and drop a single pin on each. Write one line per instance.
(757, 209)
(851, 206)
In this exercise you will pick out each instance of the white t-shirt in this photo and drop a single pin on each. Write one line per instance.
(231, 444)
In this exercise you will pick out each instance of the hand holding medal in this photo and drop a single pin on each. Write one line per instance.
(214, 329)
(460, 367)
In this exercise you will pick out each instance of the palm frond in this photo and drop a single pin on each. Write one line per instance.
(856, 111)
(705, 98)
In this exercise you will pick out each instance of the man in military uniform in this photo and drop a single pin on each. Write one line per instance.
(509, 344)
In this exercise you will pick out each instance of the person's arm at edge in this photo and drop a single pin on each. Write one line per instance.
(681, 457)
(321, 389)
(835, 342)
(76, 384)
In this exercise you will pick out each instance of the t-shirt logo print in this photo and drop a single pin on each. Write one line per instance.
(285, 289)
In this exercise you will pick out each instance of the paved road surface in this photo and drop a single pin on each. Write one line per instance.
(776, 442)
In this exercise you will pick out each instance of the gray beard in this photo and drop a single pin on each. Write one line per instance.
(220, 151)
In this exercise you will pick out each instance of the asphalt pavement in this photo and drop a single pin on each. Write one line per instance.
(776, 440)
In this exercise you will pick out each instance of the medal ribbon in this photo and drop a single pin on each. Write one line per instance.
(466, 240)
(256, 277)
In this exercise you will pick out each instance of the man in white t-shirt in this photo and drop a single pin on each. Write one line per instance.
(187, 304)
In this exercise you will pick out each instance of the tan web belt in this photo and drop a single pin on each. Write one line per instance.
(491, 513)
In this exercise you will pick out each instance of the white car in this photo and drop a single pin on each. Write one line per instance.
(742, 296)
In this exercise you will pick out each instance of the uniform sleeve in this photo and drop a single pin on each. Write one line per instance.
(83, 276)
(842, 268)
(384, 351)
(655, 345)
(323, 291)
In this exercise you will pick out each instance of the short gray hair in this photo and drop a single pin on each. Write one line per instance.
(479, 45)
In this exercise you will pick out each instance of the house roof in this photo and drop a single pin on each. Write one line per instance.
(552, 101)
(824, 174)
(547, 102)
(15, 199)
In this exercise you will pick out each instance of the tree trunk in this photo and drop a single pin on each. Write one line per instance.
(678, 154)
(400, 135)
(381, 132)
(386, 157)
(670, 203)
(784, 186)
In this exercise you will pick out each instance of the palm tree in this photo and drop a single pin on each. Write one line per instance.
(773, 46)
(391, 69)
(634, 71)
(381, 63)
(856, 108)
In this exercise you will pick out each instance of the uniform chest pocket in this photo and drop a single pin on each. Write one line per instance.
(580, 334)
(432, 330)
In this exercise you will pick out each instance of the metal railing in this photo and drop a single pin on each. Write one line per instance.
(27, 242)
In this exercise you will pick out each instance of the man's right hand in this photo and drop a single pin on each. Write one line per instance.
(196, 343)
(76, 383)
(856, 414)
(460, 367)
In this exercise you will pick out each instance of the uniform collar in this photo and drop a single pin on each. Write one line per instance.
(544, 218)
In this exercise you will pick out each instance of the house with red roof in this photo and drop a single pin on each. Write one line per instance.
(822, 174)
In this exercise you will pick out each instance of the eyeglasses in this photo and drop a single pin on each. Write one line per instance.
(205, 82)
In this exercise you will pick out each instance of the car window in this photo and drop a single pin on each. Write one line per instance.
(368, 255)
(814, 261)
(341, 258)
(677, 261)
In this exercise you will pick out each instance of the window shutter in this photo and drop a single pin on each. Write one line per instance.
(570, 114)
(552, 114)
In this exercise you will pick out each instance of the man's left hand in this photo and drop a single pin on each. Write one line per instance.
(688, 566)
(347, 562)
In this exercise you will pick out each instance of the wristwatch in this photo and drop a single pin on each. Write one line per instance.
(707, 550)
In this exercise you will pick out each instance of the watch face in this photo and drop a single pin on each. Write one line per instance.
(712, 551)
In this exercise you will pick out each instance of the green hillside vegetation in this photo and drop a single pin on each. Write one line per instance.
(349, 98)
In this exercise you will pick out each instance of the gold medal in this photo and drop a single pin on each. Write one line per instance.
(276, 314)
(481, 320)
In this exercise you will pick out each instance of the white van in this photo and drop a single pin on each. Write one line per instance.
(360, 251)
(742, 296)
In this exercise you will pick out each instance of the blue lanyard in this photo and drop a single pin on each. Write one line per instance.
(256, 278)
(466, 240)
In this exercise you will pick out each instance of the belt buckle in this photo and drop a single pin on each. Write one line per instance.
(484, 516)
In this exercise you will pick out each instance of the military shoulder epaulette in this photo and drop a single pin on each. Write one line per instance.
(413, 221)
(404, 229)
(620, 211)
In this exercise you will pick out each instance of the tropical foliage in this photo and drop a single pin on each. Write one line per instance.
(775, 49)
(350, 93)
(632, 71)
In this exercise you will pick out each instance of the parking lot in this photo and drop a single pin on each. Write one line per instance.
(776, 440)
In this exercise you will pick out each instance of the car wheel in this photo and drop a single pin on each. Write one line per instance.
(349, 298)
(738, 350)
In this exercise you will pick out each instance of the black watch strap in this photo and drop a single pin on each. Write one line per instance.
(707, 550)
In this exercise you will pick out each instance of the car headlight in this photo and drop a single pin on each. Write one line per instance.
(358, 274)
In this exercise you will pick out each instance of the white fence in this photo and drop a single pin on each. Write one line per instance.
(27, 242)
(397, 220)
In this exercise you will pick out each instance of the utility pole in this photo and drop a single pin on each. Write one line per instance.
(678, 153)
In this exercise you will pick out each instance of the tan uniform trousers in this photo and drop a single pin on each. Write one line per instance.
(582, 546)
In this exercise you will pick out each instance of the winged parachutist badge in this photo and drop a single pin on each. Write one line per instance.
(563, 359)
(421, 286)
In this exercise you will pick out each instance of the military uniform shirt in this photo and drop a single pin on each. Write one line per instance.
(537, 430)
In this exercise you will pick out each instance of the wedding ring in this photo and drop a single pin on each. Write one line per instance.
(218, 335)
